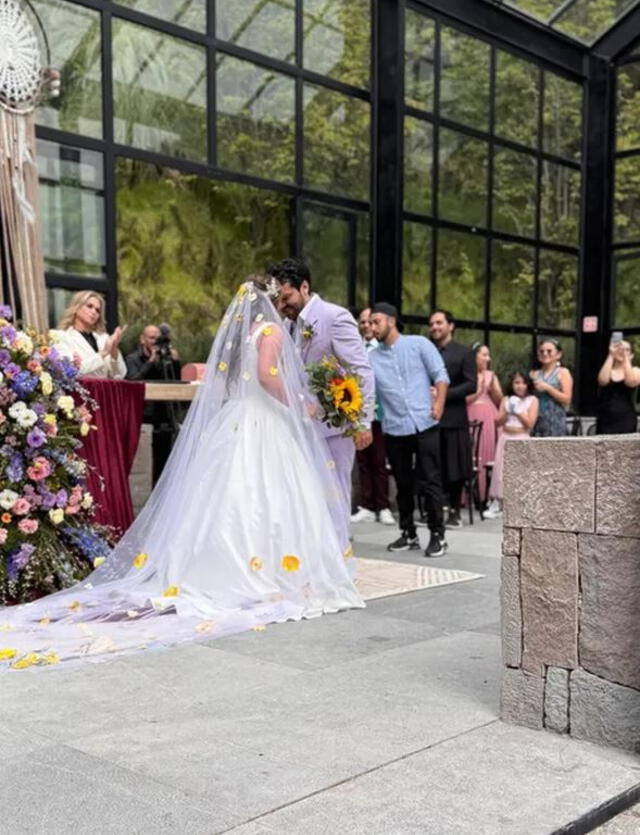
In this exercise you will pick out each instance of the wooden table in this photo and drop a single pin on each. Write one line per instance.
(183, 392)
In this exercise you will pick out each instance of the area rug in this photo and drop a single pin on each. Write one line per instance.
(383, 578)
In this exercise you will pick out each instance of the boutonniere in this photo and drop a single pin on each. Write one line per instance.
(307, 332)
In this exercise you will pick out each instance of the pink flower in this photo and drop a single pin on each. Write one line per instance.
(70, 509)
(3, 535)
(28, 526)
(3, 418)
(51, 430)
(34, 366)
(40, 469)
(21, 507)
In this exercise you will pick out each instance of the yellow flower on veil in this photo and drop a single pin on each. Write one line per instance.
(290, 562)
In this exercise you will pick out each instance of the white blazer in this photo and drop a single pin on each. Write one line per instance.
(71, 341)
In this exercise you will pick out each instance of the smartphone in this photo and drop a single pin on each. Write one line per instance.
(617, 336)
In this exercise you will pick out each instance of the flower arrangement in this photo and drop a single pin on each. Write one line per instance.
(47, 538)
(339, 392)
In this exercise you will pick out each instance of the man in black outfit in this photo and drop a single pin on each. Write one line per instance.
(147, 363)
(454, 425)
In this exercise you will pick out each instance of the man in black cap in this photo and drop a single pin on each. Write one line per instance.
(454, 426)
(405, 369)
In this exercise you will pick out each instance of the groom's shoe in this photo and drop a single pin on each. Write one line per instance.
(405, 543)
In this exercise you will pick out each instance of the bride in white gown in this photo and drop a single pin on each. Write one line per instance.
(243, 528)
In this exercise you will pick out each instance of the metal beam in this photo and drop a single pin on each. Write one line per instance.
(511, 28)
(620, 37)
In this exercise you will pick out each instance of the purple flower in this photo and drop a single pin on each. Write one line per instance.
(18, 560)
(36, 438)
(61, 498)
(37, 407)
(11, 369)
(47, 498)
(6, 312)
(8, 333)
(14, 468)
(23, 383)
(5, 356)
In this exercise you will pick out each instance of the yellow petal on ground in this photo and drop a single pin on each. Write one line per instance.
(259, 628)
(273, 371)
(98, 562)
(52, 658)
(27, 661)
(171, 591)
(255, 564)
(140, 559)
(45, 621)
(348, 552)
(205, 626)
(7, 654)
(290, 562)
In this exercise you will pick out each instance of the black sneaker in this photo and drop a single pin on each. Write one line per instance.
(437, 546)
(422, 521)
(454, 520)
(405, 543)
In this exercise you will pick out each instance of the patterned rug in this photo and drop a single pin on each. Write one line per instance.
(382, 578)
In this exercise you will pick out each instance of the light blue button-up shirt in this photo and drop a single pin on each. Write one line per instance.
(405, 372)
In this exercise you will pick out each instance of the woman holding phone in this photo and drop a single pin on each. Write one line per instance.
(618, 380)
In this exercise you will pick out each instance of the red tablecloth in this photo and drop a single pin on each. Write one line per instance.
(110, 451)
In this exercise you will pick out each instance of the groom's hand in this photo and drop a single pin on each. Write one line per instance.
(363, 439)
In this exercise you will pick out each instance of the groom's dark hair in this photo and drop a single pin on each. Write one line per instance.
(291, 271)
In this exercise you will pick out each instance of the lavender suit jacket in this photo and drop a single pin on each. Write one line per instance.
(335, 333)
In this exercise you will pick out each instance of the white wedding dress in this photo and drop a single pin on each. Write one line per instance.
(242, 530)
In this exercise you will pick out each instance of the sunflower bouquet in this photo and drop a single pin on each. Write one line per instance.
(339, 392)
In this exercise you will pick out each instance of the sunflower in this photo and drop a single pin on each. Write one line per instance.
(347, 397)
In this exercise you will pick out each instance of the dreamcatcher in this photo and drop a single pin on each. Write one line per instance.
(25, 79)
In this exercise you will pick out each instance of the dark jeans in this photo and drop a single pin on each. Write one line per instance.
(374, 481)
(425, 446)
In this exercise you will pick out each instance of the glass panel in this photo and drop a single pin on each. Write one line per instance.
(469, 336)
(557, 290)
(165, 273)
(464, 80)
(517, 96)
(560, 205)
(256, 120)
(159, 92)
(71, 209)
(514, 192)
(628, 89)
(418, 165)
(462, 192)
(626, 267)
(328, 237)
(512, 273)
(189, 13)
(587, 20)
(266, 26)
(562, 116)
(73, 33)
(363, 261)
(57, 299)
(510, 352)
(336, 142)
(419, 43)
(416, 269)
(337, 39)
(627, 199)
(460, 274)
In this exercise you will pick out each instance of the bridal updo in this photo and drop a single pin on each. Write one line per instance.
(267, 283)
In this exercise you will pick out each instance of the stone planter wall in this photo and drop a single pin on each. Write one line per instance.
(140, 477)
(571, 587)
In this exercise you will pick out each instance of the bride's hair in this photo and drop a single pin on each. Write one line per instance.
(267, 283)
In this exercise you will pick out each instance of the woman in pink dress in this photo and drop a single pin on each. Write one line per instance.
(517, 417)
(483, 406)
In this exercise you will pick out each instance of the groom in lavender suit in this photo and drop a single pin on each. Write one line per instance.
(320, 329)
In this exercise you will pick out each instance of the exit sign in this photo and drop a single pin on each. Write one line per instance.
(590, 324)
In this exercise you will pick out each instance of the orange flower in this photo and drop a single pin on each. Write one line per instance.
(290, 562)
(6, 518)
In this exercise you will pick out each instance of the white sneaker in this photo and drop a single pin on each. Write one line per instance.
(385, 517)
(493, 511)
(363, 515)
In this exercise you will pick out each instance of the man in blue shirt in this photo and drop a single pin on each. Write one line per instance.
(405, 369)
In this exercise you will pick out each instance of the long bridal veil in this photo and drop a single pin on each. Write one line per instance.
(243, 528)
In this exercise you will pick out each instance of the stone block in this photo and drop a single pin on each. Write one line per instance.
(604, 712)
(549, 594)
(511, 541)
(556, 700)
(618, 486)
(142, 462)
(609, 622)
(522, 701)
(540, 474)
(511, 612)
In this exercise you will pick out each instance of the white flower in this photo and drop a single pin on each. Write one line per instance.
(87, 501)
(24, 343)
(65, 404)
(53, 336)
(56, 515)
(17, 409)
(8, 498)
(27, 418)
(46, 383)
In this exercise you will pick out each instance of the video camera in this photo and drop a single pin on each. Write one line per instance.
(163, 342)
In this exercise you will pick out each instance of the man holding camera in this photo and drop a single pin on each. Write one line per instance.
(156, 360)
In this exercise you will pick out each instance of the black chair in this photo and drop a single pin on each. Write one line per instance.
(472, 484)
